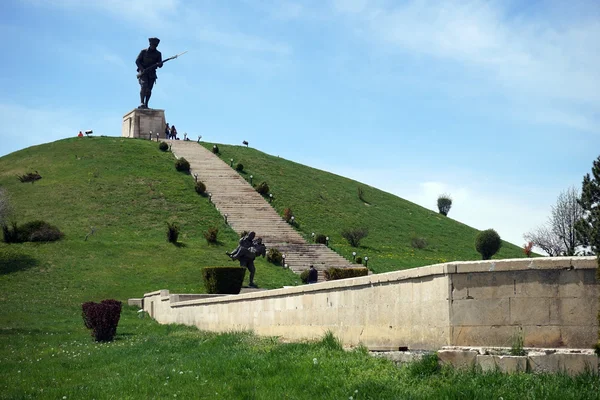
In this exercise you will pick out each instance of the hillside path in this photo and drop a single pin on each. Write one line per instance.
(247, 210)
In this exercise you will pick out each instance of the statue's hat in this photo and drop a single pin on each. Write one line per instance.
(154, 41)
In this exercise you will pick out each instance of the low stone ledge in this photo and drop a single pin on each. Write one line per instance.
(506, 364)
(136, 302)
(400, 357)
(569, 363)
(459, 359)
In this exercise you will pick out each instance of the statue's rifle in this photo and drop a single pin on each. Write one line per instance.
(153, 66)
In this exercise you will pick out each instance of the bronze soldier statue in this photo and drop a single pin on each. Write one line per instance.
(147, 61)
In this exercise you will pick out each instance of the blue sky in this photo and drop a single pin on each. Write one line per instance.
(496, 103)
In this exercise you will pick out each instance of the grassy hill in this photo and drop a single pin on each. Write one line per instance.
(128, 190)
(327, 203)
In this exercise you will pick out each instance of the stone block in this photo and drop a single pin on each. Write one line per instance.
(506, 364)
(136, 302)
(541, 336)
(579, 337)
(530, 310)
(138, 123)
(569, 363)
(578, 283)
(480, 312)
(458, 359)
(576, 311)
(481, 335)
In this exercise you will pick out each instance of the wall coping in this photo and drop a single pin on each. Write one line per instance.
(456, 267)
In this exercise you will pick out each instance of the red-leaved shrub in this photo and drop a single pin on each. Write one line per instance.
(102, 318)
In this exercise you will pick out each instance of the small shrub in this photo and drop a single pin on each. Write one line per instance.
(211, 235)
(287, 214)
(274, 256)
(200, 188)
(516, 347)
(30, 177)
(34, 231)
(102, 318)
(330, 342)
(304, 276)
(223, 280)
(263, 188)
(527, 249)
(182, 165)
(487, 243)
(333, 273)
(444, 203)
(358, 260)
(172, 232)
(239, 167)
(163, 146)
(418, 243)
(321, 239)
(355, 235)
(215, 149)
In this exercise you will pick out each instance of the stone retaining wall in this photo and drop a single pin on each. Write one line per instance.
(551, 302)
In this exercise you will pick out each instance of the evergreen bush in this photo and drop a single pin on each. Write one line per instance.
(34, 231)
(182, 165)
(333, 273)
(172, 232)
(358, 260)
(239, 167)
(223, 280)
(444, 203)
(287, 214)
(163, 146)
(487, 243)
(418, 243)
(215, 149)
(304, 276)
(211, 235)
(200, 188)
(274, 256)
(263, 188)
(321, 239)
(102, 318)
(30, 177)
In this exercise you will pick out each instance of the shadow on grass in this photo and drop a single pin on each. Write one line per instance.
(13, 262)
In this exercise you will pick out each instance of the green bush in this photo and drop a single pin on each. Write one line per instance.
(263, 188)
(30, 177)
(444, 203)
(182, 165)
(287, 214)
(239, 167)
(211, 234)
(215, 149)
(333, 273)
(163, 146)
(418, 243)
(321, 239)
(274, 256)
(34, 231)
(223, 280)
(358, 260)
(200, 188)
(172, 232)
(304, 276)
(487, 243)
(355, 235)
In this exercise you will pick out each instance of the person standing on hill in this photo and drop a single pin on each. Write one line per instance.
(173, 132)
(147, 61)
(167, 132)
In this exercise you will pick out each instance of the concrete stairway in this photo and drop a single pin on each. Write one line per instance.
(246, 210)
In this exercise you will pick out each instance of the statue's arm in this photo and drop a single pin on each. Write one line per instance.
(138, 61)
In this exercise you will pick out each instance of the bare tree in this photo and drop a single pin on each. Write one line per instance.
(558, 236)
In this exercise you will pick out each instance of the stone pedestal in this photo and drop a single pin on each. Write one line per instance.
(138, 123)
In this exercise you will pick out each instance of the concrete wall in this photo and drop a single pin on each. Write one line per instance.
(553, 300)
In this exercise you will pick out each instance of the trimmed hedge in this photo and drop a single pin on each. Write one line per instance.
(223, 280)
(274, 256)
(333, 274)
(163, 146)
(182, 165)
(102, 318)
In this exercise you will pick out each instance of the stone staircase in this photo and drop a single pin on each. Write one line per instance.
(246, 210)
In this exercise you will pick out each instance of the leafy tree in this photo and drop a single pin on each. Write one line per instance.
(487, 243)
(559, 236)
(444, 203)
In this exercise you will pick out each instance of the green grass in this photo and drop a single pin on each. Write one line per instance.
(326, 203)
(128, 190)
